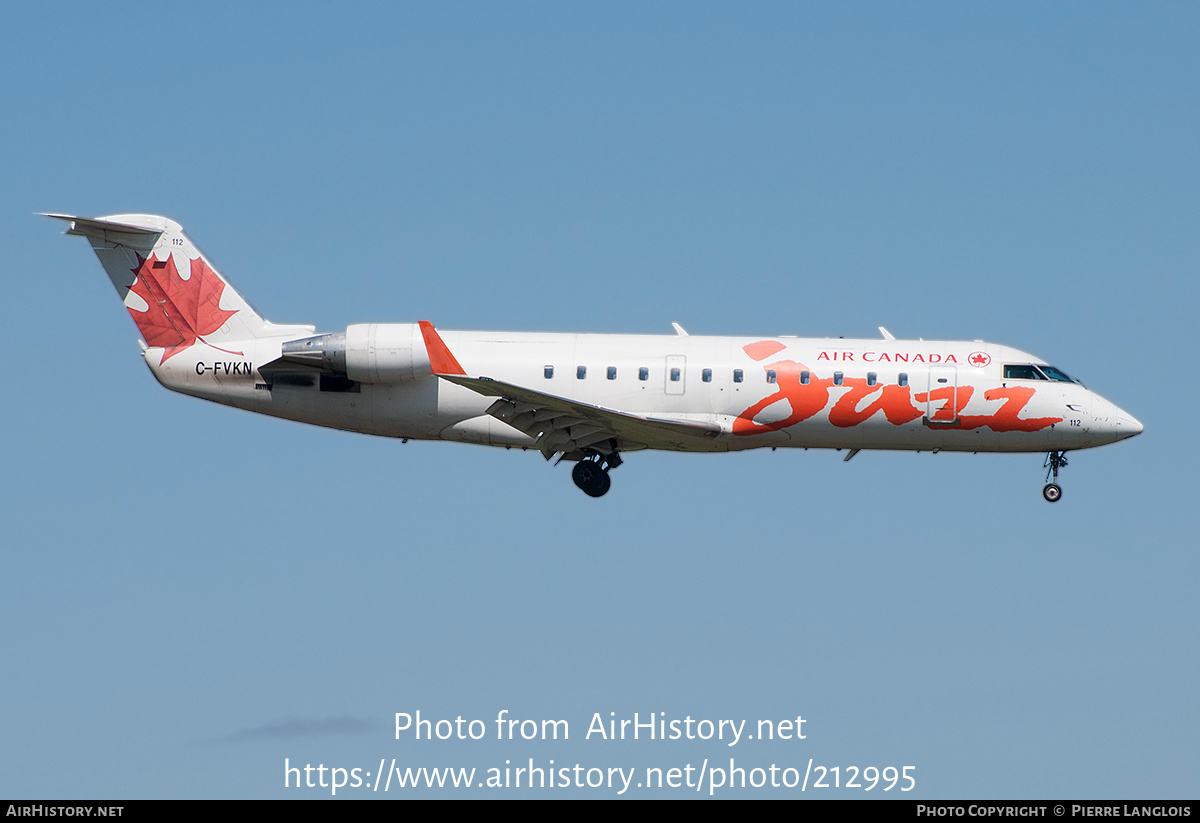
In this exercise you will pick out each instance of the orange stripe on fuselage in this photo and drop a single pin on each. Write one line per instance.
(440, 358)
(810, 399)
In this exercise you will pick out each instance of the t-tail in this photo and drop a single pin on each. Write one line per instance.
(175, 296)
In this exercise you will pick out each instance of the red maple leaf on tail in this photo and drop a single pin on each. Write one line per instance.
(180, 311)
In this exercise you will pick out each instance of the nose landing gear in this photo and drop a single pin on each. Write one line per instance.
(1054, 461)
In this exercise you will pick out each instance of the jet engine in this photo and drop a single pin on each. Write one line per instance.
(365, 352)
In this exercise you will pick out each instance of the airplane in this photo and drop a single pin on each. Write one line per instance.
(590, 398)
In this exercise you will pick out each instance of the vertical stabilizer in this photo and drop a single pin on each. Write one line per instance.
(173, 293)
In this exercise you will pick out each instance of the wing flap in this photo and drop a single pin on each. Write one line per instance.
(563, 425)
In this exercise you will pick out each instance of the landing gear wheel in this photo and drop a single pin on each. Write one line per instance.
(1054, 462)
(591, 477)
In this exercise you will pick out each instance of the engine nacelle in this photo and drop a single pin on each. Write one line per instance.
(366, 352)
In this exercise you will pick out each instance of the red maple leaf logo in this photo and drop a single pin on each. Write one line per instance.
(180, 311)
(979, 359)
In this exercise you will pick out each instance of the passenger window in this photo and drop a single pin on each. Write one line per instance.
(580, 372)
(838, 378)
(612, 372)
(872, 378)
(903, 379)
(675, 375)
(804, 378)
(737, 375)
(706, 375)
(549, 372)
(643, 373)
(770, 375)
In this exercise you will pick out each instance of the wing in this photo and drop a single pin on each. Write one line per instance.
(569, 427)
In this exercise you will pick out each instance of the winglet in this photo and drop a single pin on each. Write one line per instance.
(440, 358)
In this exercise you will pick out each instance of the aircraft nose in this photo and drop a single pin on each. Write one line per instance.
(1127, 424)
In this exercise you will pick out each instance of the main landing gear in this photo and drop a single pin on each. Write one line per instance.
(591, 473)
(1054, 461)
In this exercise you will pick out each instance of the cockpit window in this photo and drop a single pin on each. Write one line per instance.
(1055, 374)
(1023, 373)
(1031, 372)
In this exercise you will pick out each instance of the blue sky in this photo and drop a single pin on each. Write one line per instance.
(194, 594)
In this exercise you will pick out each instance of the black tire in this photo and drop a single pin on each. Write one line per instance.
(1052, 492)
(591, 478)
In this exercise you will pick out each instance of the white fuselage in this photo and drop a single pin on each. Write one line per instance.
(828, 393)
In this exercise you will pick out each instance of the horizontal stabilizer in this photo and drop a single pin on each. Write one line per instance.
(93, 227)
